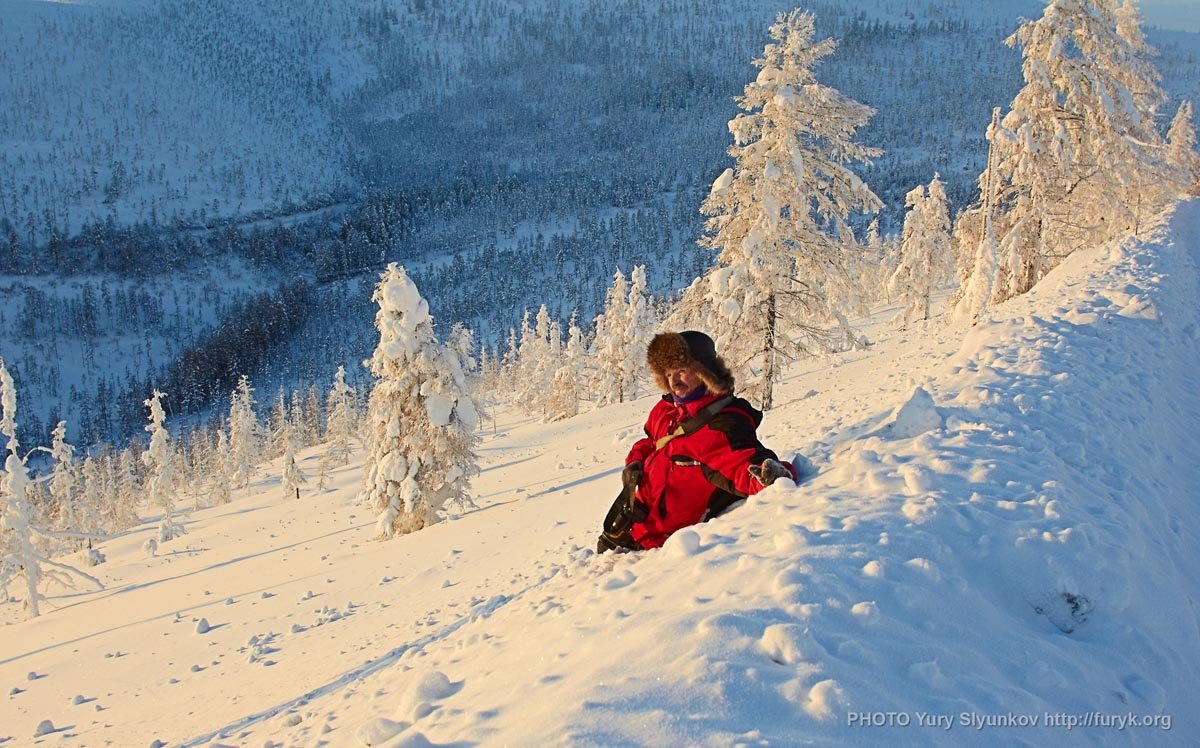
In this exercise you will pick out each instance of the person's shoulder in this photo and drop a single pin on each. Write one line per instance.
(737, 414)
(742, 405)
(662, 405)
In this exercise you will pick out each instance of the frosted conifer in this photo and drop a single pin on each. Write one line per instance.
(1077, 153)
(778, 218)
(610, 344)
(127, 489)
(64, 480)
(341, 425)
(279, 426)
(293, 477)
(244, 439)
(543, 360)
(566, 390)
(1181, 149)
(924, 250)
(160, 459)
(21, 559)
(91, 502)
(309, 420)
(220, 479)
(420, 418)
(639, 329)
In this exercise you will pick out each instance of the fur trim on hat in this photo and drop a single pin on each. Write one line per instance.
(669, 351)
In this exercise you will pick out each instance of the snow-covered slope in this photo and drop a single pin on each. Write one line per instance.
(1016, 546)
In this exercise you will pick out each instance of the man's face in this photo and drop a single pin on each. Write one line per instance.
(683, 381)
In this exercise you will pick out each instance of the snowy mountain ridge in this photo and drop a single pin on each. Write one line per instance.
(988, 563)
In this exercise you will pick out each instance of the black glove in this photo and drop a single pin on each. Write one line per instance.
(632, 474)
(768, 472)
(619, 543)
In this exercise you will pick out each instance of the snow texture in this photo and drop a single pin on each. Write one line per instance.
(1032, 556)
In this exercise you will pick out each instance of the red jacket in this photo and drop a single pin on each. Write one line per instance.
(695, 477)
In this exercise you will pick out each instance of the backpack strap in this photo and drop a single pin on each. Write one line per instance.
(626, 510)
(696, 422)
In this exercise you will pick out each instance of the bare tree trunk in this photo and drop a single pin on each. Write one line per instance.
(769, 353)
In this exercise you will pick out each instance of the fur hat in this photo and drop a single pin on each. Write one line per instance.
(679, 350)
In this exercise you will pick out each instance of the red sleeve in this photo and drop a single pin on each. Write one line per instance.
(731, 446)
(640, 451)
(645, 447)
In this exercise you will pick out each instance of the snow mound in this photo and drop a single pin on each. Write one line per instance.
(916, 416)
(379, 731)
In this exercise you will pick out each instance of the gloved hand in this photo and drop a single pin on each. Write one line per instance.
(768, 472)
(631, 474)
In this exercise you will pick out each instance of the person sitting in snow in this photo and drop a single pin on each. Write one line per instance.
(701, 453)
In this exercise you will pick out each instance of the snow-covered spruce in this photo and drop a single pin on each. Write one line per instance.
(622, 331)
(293, 477)
(245, 439)
(1075, 158)
(219, 481)
(778, 218)
(608, 343)
(64, 479)
(925, 250)
(566, 390)
(19, 557)
(160, 460)
(340, 420)
(420, 418)
(1181, 150)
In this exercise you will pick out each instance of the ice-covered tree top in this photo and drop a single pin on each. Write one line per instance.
(792, 144)
(403, 319)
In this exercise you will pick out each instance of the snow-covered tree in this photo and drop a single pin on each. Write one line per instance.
(639, 329)
(975, 243)
(160, 459)
(21, 559)
(924, 250)
(341, 421)
(128, 487)
(1181, 149)
(91, 501)
(293, 476)
(543, 353)
(778, 218)
(219, 479)
(490, 390)
(193, 459)
(306, 416)
(876, 261)
(420, 419)
(278, 427)
(119, 507)
(461, 343)
(244, 439)
(610, 344)
(508, 368)
(64, 480)
(570, 378)
(1077, 153)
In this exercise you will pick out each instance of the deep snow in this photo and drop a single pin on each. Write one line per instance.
(1013, 541)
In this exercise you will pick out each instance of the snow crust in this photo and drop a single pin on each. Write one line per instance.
(1033, 555)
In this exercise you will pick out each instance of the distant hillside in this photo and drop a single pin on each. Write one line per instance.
(510, 154)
